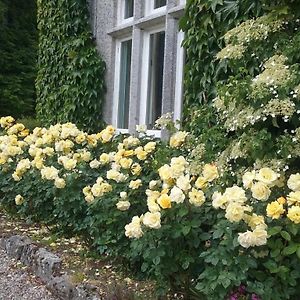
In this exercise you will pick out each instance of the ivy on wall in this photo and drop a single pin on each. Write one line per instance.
(70, 83)
(18, 55)
(205, 23)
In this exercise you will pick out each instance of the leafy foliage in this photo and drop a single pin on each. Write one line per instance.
(70, 82)
(204, 24)
(18, 56)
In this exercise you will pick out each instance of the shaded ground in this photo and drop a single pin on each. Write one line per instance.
(112, 282)
(16, 283)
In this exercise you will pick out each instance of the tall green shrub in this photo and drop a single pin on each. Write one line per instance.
(18, 55)
(70, 82)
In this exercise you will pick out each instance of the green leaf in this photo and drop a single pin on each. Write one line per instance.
(274, 230)
(285, 235)
(290, 249)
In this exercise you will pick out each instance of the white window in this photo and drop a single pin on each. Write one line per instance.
(152, 77)
(125, 10)
(122, 83)
(153, 6)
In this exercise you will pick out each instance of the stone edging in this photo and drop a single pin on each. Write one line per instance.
(48, 267)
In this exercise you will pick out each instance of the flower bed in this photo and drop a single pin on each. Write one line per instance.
(147, 202)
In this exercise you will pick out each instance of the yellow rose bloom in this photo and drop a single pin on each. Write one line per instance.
(201, 183)
(136, 169)
(267, 176)
(104, 158)
(59, 183)
(128, 153)
(140, 153)
(164, 201)
(275, 210)
(234, 212)
(19, 200)
(149, 147)
(165, 172)
(260, 191)
(135, 184)
(177, 139)
(294, 214)
(293, 198)
(125, 163)
(196, 197)
(210, 172)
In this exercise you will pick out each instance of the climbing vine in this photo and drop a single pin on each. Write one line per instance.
(70, 83)
(18, 55)
(205, 23)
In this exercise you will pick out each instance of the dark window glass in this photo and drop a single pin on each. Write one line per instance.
(159, 3)
(128, 12)
(155, 82)
(124, 86)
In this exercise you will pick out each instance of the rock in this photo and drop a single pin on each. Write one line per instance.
(62, 288)
(15, 245)
(86, 292)
(28, 254)
(46, 264)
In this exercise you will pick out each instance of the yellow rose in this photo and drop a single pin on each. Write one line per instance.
(133, 229)
(149, 147)
(248, 178)
(257, 237)
(128, 153)
(125, 163)
(260, 191)
(275, 210)
(80, 138)
(294, 214)
(294, 182)
(152, 205)
(254, 221)
(123, 205)
(219, 200)
(177, 139)
(135, 184)
(164, 201)
(177, 195)
(49, 173)
(140, 153)
(267, 176)
(152, 220)
(183, 182)
(165, 172)
(234, 212)
(104, 158)
(19, 200)
(196, 197)
(59, 183)
(210, 172)
(201, 183)
(293, 198)
(136, 169)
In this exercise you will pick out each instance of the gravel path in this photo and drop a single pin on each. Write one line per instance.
(17, 284)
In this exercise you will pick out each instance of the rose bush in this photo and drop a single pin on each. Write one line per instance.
(149, 203)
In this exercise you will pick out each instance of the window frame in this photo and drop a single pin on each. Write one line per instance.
(145, 75)
(121, 12)
(149, 8)
(117, 72)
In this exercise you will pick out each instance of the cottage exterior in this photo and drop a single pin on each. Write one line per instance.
(141, 44)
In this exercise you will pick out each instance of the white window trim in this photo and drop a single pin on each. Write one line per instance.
(115, 108)
(120, 14)
(149, 8)
(179, 77)
(145, 77)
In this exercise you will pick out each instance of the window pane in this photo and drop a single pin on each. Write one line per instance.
(159, 3)
(124, 86)
(128, 11)
(155, 83)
